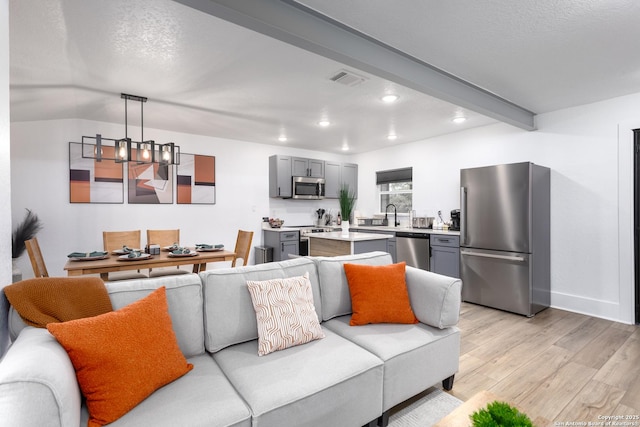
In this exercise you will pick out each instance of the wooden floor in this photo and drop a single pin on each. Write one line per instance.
(559, 366)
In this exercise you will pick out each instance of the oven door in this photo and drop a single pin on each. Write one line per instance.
(304, 246)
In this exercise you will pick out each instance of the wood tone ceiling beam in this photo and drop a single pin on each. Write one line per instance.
(295, 24)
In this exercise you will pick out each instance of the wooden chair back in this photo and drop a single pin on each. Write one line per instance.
(243, 247)
(35, 255)
(163, 237)
(113, 240)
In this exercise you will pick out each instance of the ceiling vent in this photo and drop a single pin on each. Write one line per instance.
(347, 78)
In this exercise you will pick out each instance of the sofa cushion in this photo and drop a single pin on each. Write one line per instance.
(378, 294)
(228, 311)
(327, 382)
(123, 356)
(204, 398)
(184, 296)
(36, 373)
(415, 356)
(285, 313)
(336, 300)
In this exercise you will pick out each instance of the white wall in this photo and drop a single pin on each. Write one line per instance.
(5, 162)
(590, 186)
(40, 176)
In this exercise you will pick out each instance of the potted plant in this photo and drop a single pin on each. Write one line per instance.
(26, 230)
(347, 200)
(500, 414)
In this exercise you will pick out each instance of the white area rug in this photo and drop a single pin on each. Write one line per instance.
(424, 410)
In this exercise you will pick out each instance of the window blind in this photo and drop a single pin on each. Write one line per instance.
(394, 175)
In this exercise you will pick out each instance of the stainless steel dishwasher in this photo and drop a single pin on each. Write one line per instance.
(413, 248)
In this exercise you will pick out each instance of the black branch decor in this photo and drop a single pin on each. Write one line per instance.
(26, 230)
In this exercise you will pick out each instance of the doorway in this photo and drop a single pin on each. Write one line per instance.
(636, 222)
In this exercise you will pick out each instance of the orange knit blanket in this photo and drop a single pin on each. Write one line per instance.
(58, 299)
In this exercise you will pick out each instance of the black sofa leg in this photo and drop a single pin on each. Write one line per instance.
(373, 423)
(383, 421)
(447, 383)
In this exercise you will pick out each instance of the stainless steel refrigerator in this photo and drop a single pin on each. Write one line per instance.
(504, 237)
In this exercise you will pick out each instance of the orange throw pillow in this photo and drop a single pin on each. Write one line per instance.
(379, 294)
(122, 357)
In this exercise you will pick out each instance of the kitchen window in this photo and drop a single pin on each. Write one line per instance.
(395, 186)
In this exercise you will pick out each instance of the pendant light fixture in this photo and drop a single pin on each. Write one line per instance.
(125, 149)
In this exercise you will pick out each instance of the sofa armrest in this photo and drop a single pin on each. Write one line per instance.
(38, 384)
(435, 299)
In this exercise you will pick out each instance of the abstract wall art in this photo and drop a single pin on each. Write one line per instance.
(196, 179)
(91, 181)
(150, 183)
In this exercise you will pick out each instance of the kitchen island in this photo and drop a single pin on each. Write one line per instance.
(336, 243)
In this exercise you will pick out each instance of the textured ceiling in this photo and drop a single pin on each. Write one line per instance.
(203, 75)
(540, 54)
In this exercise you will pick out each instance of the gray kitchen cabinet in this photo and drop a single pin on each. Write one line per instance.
(445, 255)
(349, 173)
(280, 184)
(391, 243)
(332, 179)
(307, 167)
(336, 174)
(283, 243)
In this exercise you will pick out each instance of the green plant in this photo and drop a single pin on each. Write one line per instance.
(347, 200)
(500, 414)
(26, 230)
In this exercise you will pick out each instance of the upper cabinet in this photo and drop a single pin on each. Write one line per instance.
(283, 168)
(336, 174)
(280, 176)
(307, 167)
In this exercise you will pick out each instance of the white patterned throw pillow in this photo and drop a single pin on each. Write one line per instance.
(285, 313)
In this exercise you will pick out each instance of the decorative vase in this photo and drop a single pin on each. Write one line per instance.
(345, 227)
(16, 272)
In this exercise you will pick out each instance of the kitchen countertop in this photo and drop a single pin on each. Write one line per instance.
(351, 237)
(265, 226)
(405, 229)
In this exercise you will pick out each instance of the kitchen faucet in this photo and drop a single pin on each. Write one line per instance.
(395, 215)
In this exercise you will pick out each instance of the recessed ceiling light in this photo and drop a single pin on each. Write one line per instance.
(324, 123)
(345, 148)
(389, 98)
(392, 137)
(282, 138)
(459, 119)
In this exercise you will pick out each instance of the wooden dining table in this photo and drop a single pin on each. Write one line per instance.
(113, 263)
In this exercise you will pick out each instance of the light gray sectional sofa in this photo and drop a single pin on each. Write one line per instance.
(352, 377)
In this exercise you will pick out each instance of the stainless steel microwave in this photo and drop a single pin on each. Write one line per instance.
(305, 187)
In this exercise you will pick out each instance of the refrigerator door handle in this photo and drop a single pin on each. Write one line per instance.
(504, 257)
(463, 215)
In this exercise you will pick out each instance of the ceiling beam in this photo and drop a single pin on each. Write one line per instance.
(295, 24)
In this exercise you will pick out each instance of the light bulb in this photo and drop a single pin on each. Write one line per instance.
(95, 151)
(145, 151)
(166, 154)
(122, 149)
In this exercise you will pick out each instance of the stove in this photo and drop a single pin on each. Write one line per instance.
(305, 230)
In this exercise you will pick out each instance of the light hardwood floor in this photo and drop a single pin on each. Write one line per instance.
(558, 366)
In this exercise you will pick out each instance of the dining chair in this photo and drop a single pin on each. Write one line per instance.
(113, 240)
(243, 247)
(35, 255)
(164, 238)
